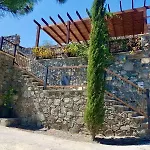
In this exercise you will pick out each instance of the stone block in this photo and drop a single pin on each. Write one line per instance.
(145, 60)
(109, 78)
(128, 66)
(75, 129)
(127, 127)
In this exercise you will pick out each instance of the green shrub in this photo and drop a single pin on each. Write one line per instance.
(6, 103)
(43, 52)
(98, 60)
(77, 50)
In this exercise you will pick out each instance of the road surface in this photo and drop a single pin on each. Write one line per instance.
(15, 139)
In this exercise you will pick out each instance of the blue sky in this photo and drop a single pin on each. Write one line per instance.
(26, 28)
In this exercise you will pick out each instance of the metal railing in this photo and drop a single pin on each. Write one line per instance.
(75, 76)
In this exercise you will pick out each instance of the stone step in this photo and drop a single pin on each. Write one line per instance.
(26, 76)
(133, 113)
(40, 86)
(139, 119)
(112, 102)
(36, 83)
(7, 122)
(33, 80)
(109, 97)
(118, 107)
(23, 72)
(144, 125)
(136, 115)
(121, 106)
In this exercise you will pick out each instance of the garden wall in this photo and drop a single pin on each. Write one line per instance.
(14, 39)
(72, 61)
(61, 108)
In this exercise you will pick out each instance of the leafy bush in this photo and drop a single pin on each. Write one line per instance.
(8, 97)
(123, 45)
(43, 52)
(6, 103)
(98, 60)
(76, 50)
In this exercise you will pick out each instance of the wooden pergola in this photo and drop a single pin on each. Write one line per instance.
(123, 23)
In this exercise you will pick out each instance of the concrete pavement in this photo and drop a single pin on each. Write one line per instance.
(15, 139)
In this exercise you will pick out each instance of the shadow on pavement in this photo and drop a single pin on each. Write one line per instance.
(124, 141)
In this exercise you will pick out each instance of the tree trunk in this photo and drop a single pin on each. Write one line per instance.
(93, 136)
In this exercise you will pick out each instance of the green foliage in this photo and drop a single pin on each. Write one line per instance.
(16, 7)
(77, 50)
(7, 98)
(128, 44)
(61, 1)
(98, 60)
(44, 52)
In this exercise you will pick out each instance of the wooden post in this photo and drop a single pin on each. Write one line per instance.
(15, 51)
(148, 107)
(1, 42)
(68, 32)
(37, 36)
(46, 77)
(144, 3)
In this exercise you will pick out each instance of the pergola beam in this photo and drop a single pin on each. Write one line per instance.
(112, 22)
(66, 27)
(47, 32)
(37, 33)
(132, 4)
(82, 21)
(132, 18)
(145, 20)
(121, 7)
(144, 3)
(76, 27)
(122, 18)
(46, 23)
(58, 27)
(88, 13)
(131, 10)
(68, 32)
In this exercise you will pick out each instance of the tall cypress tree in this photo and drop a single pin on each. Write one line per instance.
(97, 62)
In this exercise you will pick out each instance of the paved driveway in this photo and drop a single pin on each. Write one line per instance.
(14, 139)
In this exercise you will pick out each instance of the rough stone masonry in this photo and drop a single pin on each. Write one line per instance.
(61, 108)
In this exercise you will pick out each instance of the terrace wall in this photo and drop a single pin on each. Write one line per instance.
(64, 108)
(60, 108)
(14, 39)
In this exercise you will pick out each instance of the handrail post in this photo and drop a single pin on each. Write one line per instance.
(148, 108)
(15, 51)
(1, 42)
(46, 77)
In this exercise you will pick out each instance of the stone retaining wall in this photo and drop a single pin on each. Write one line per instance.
(60, 109)
(59, 62)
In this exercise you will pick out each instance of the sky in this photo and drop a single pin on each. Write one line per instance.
(26, 28)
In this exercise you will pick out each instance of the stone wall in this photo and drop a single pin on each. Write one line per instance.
(62, 108)
(9, 47)
(59, 62)
(6, 71)
(13, 38)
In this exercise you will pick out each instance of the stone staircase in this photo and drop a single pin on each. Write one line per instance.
(139, 125)
(130, 121)
(136, 124)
